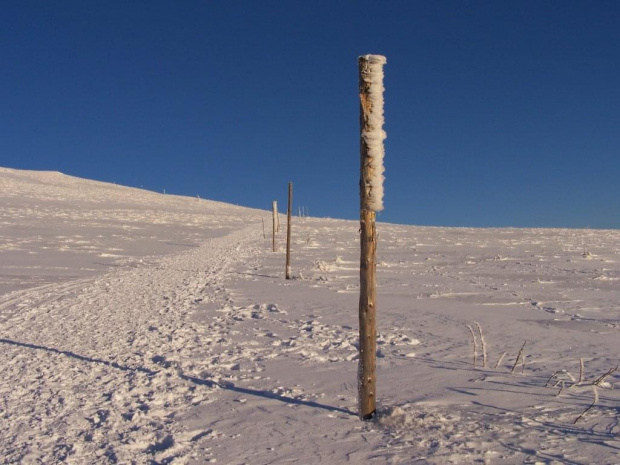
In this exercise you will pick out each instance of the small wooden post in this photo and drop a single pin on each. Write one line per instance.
(274, 214)
(371, 201)
(288, 230)
(277, 216)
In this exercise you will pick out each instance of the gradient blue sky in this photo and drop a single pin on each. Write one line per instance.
(497, 113)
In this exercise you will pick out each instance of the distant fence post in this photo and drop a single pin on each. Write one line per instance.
(274, 214)
(371, 201)
(288, 231)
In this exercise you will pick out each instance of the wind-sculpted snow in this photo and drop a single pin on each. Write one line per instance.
(201, 352)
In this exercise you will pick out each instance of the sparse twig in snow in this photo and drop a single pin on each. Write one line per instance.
(601, 378)
(518, 357)
(561, 388)
(553, 376)
(590, 406)
(473, 337)
(484, 346)
(581, 371)
(500, 360)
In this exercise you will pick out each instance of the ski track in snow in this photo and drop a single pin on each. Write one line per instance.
(209, 355)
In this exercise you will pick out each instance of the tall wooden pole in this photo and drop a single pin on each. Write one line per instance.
(274, 214)
(288, 230)
(371, 200)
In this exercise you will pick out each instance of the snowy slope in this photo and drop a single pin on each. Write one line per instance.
(56, 226)
(144, 328)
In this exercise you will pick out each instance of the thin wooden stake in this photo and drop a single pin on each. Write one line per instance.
(371, 201)
(274, 207)
(483, 344)
(473, 338)
(518, 357)
(367, 316)
(288, 230)
(500, 359)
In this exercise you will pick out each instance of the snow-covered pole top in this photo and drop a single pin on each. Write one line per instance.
(372, 133)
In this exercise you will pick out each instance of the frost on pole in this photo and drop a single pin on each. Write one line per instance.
(373, 135)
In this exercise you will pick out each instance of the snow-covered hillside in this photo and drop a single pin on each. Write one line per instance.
(138, 327)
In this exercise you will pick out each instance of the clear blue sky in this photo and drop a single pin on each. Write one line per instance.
(497, 113)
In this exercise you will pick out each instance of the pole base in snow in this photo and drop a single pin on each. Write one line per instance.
(369, 416)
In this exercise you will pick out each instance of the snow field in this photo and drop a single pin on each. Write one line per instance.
(207, 354)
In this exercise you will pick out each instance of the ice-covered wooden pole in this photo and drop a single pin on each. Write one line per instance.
(372, 151)
(274, 225)
(288, 231)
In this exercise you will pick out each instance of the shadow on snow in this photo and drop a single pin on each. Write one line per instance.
(200, 381)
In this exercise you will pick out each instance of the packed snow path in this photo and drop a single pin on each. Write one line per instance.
(97, 366)
(113, 353)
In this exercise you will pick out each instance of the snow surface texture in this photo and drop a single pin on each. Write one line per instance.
(374, 135)
(144, 328)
